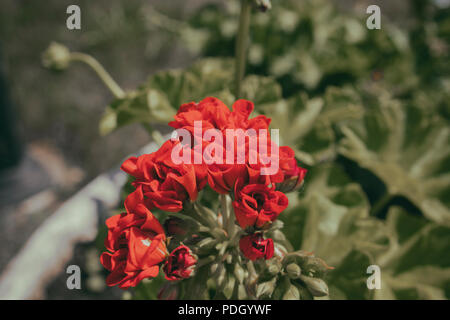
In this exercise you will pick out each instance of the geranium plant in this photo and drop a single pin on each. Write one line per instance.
(225, 208)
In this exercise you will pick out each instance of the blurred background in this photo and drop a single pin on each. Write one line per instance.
(50, 145)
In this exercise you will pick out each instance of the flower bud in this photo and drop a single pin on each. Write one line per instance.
(215, 267)
(180, 264)
(221, 278)
(239, 273)
(56, 57)
(229, 286)
(293, 271)
(293, 173)
(282, 285)
(206, 244)
(291, 293)
(273, 269)
(168, 291)
(242, 292)
(292, 183)
(317, 287)
(265, 289)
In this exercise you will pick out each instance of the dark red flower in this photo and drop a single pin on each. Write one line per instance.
(254, 246)
(211, 112)
(160, 182)
(257, 205)
(180, 264)
(136, 246)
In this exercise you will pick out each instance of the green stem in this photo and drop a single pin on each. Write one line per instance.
(241, 45)
(101, 72)
(380, 204)
(190, 211)
(224, 207)
(211, 221)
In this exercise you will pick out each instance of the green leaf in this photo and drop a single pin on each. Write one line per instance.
(408, 149)
(157, 100)
(417, 264)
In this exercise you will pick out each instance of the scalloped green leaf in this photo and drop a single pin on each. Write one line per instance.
(332, 220)
(408, 148)
(157, 100)
(417, 264)
(307, 124)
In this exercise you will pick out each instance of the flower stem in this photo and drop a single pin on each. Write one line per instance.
(224, 207)
(241, 45)
(115, 89)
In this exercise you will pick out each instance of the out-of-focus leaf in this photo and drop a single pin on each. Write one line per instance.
(157, 100)
(332, 220)
(417, 264)
(261, 90)
(307, 125)
(408, 149)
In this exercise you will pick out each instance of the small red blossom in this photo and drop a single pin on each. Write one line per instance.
(180, 264)
(257, 205)
(254, 247)
(136, 246)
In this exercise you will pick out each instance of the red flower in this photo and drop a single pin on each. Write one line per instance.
(136, 244)
(212, 113)
(241, 111)
(292, 173)
(160, 182)
(254, 246)
(257, 205)
(180, 264)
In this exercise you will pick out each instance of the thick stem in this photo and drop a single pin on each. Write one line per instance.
(101, 72)
(241, 45)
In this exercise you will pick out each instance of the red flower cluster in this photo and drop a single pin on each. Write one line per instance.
(258, 198)
(160, 183)
(136, 245)
(136, 241)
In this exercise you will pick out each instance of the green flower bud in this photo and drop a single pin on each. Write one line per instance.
(207, 243)
(239, 273)
(317, 287)
(282, 285)
(214, 268)
(56, 57)
(221, 278)
(273, 269)
(293, 270)
(242, 293)
(229, 286)
(291, 293)
(266, 289)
